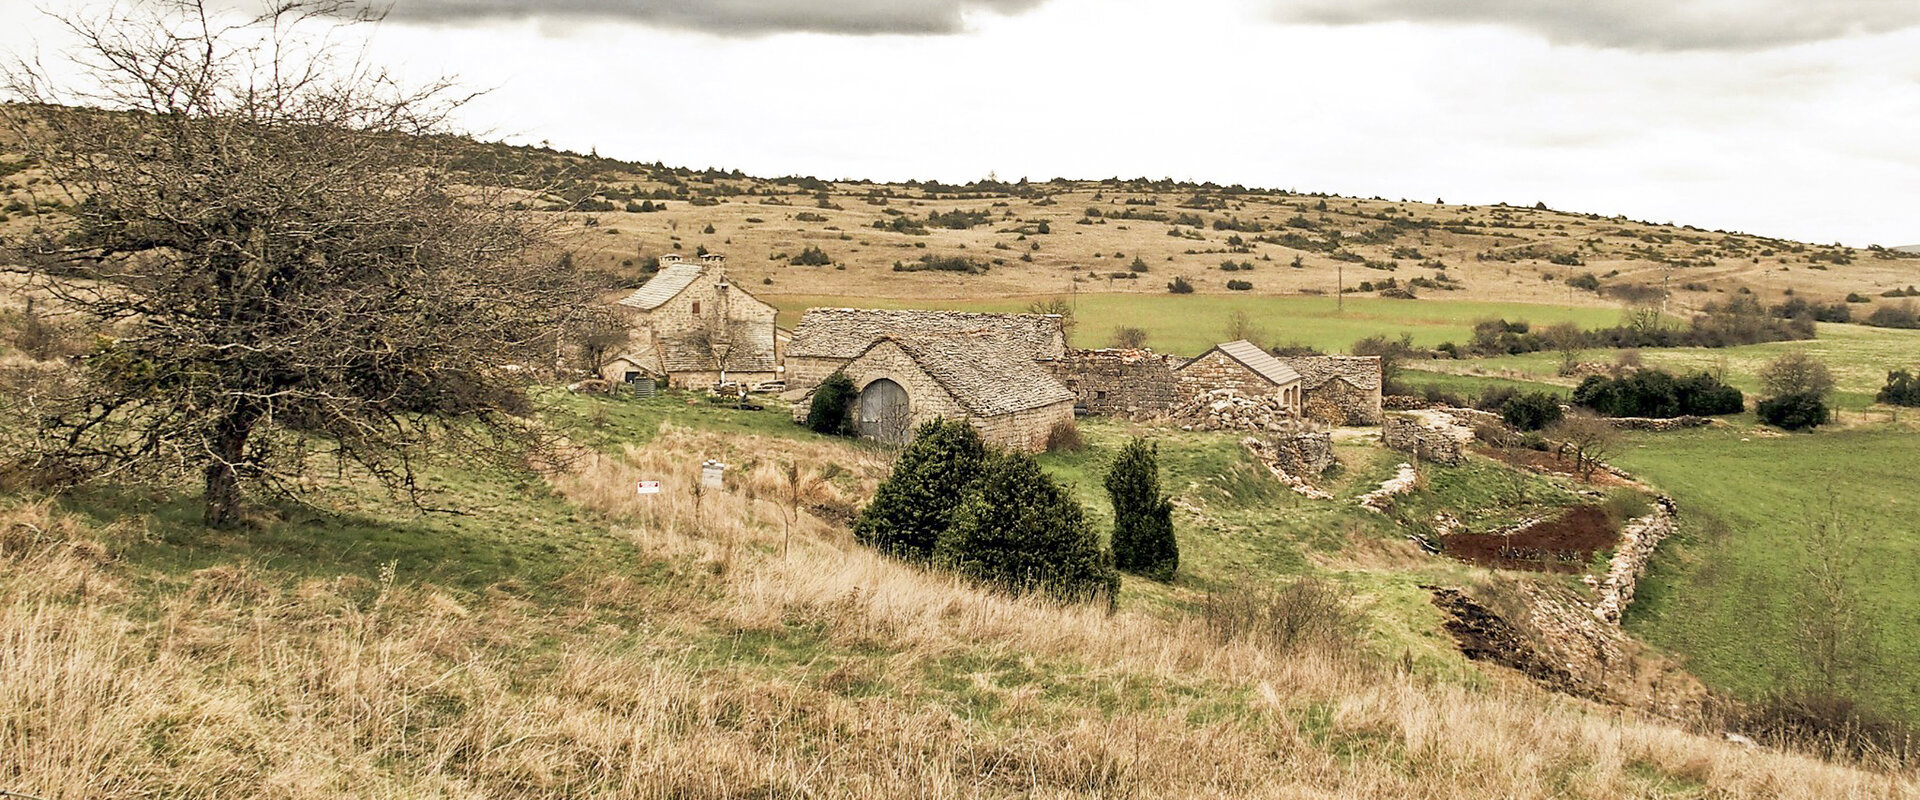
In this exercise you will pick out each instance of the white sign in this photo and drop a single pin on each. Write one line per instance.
(711, 475)
(649, 487)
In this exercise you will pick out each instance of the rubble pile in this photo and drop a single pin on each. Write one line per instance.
(1230, 410)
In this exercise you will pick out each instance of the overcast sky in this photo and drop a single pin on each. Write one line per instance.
(1781, 117)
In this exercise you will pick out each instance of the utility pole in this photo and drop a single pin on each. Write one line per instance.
(1339, 287)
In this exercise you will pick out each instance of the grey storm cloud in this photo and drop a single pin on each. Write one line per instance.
(1661, 25)
(727, 17)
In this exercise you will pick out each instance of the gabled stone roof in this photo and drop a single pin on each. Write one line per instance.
(1254, 358)
(848, 332)
(669, 282)
(1363, 372)
(982, 373)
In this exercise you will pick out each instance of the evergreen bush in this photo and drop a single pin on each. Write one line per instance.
(1143, 541)
(1020, 531)
(914, 507)
(828, 412)
(1794, 411)
(1531, 411)
(1902, 389)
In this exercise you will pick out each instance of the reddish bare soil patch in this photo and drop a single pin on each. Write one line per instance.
(1548, 463)
(1565, 544)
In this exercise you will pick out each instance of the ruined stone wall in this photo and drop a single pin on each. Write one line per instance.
(1658, 425)
(1133, 384)
(1337, 402)
(1443, 445)
(1217, 370)
(1340, 390)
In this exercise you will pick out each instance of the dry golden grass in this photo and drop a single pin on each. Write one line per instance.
(738, 670)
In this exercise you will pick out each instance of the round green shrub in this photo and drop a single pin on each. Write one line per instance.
(828, 412)
(1020, 531)
(915, 505)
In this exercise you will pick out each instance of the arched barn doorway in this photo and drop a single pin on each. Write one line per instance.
(884, 412)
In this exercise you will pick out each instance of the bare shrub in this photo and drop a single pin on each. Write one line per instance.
(1065, 437)
(1309, 614)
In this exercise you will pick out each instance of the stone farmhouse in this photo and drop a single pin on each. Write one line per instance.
(689, 327)
(1339, 390)
(1244, 367)
(910, 367)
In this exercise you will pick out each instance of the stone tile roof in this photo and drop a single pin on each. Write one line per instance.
(670, 281)
(1260, 361)
(848, 332)
(1363, 372)
(987, 375)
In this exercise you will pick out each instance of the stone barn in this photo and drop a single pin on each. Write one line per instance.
(827, 339)
(1119, 382)
(904, 381)
(690, 327)
(1339, 390)
(1243, 367)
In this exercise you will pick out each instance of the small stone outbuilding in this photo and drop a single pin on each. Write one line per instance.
(1243, 367)
(1339, 390)
(904, 381)
(691, 327)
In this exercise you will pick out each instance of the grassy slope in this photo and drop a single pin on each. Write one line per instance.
(1723, 593)
(1189, 324)
(595, 643)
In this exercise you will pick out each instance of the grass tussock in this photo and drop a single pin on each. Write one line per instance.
(742, 660)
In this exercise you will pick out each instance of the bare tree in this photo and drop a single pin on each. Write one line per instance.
(1570, 342)
(1240, 326)
(279, 253)
(1796, 372)
(1129, 337)
(1056, 306)
(1589, 439)
(1837, 634)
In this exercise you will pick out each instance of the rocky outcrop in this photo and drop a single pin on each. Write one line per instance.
(1232, 410)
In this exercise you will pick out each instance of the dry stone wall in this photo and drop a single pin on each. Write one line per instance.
(1436, 442)
(1637, 542)
(1132, 384)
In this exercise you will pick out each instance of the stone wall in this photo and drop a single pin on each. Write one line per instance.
(1658, 425)
(1132, 384)
(1437, 443)
(805, 372)
(1307, 453)
(1025, 430)
(1217, 370)
(927, 400)
(1637, 542)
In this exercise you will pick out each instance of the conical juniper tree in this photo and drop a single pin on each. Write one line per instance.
(915, 504)
(1019, 530)
(1143, 541)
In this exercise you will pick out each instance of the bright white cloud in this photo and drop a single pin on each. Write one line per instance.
(1811, 141)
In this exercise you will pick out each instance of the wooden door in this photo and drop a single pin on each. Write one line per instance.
(884, 412)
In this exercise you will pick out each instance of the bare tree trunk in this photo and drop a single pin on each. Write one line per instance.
(222, 496)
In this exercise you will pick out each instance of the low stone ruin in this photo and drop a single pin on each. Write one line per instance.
(1231, 410)
(1295, 457)
(1431, 437)
(1405, 477)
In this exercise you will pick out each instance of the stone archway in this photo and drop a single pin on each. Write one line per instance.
(884, 412)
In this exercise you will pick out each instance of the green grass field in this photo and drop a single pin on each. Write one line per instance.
(1859, 357)
(1723, 593)
(1189, 324)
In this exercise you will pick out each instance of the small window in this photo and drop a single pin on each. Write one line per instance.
(696, 307)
